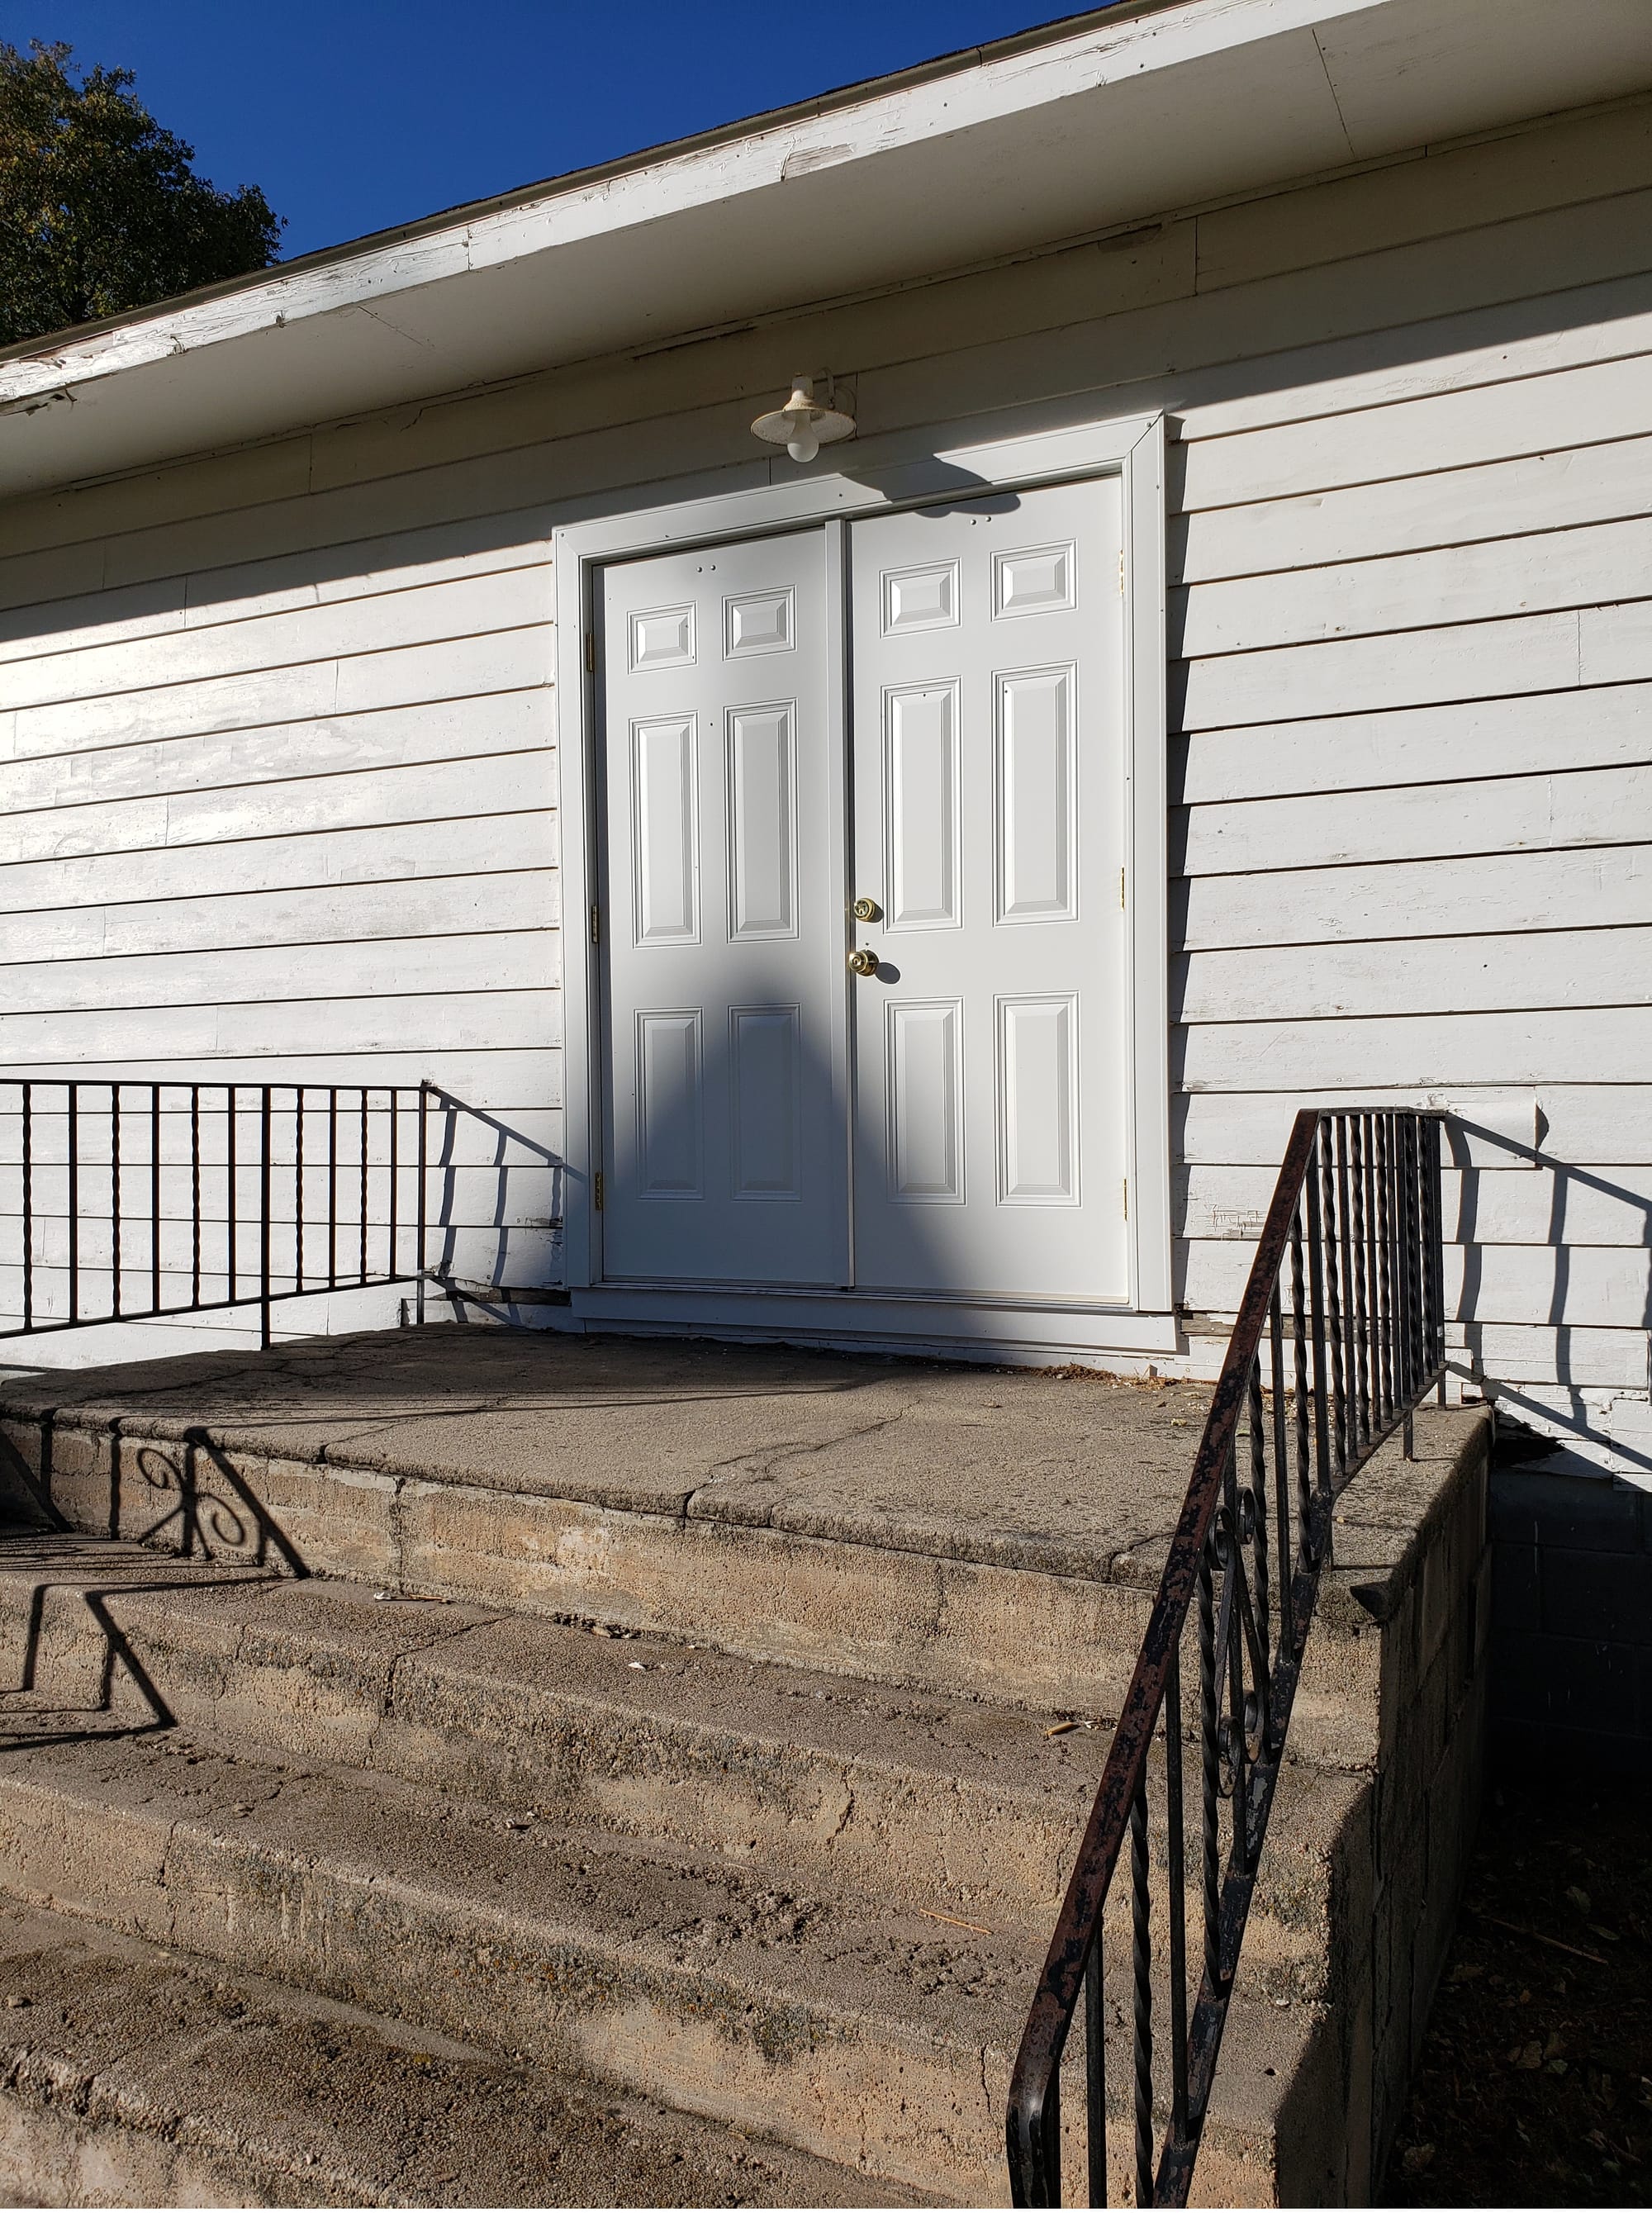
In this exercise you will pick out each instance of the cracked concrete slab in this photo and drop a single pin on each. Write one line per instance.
(1010, 1466)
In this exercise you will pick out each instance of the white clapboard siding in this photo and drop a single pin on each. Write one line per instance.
(1585, 1124)
(186, 600)
(1605, 1205)
(520, 1253)
(1612, 1358)
(1602, 728)
(460, 1143)
(478, 843)
(1492, 891)
(1464, 661)
(1585, 1285)
(463, 1022)
(489, 960)
(1501, 416)
(325, 1231)
(393, 738)
(462, 608)
(1497, 578)
(1449, 507)
(1591, 806)
(1584, 968)
(524, 1191)
(450, 668)
(321, 914)
(426, 792)
(1466, 1051)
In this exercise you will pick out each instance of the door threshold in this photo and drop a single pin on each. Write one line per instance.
(1045, 1331)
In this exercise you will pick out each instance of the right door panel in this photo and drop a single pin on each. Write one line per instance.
(989, 810)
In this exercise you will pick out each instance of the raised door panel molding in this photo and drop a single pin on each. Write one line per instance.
(761, 781)
(665, 836)
(669, 1105)
(1037, 1074)
(1035, 826)
(765, 1139)
(923, 1086)
(920, 803)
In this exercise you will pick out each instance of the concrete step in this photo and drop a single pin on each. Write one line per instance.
(877, 2038)
(965, 1531)
(827, 1781)
(133, 2074)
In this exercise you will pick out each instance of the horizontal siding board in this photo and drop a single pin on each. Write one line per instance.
(499, 1080)
(320, 914)
(1497, 418)
(388, 853)
(1426, 194)
(496, 960)
(1497, 578)
(1465, 660)
(1603, 727)
(1414, 822)
(451, 668)
(423, 792)
(1605, 1205)
(1584, 1124)
(522, 1254)
(1415, 900)
(1470, 1051)
(1589, 1286)
(414, 1024)
(1515, 1353)
(1576, 968)
(443, 729)
(464, 608)
(194, 600)
(487, 1144)
(1550, 490)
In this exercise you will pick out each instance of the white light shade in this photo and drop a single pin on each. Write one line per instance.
(803, 426)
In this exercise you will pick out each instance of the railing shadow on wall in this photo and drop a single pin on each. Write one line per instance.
(1468, 1143)
(468, 1262)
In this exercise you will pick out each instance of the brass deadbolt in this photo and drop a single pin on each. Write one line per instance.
(867, 911)
(863, 963)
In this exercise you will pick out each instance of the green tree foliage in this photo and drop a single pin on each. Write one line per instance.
(100, 210)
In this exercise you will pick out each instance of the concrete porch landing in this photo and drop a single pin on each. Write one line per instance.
(1062, 1471)
(872, 1517)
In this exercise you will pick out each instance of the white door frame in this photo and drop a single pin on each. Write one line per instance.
(892, 473)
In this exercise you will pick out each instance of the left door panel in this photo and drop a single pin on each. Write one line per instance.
(721, 919)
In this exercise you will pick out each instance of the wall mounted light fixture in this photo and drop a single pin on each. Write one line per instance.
(804, 425)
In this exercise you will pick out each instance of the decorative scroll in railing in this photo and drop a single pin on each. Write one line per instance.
(1339, 1334)
(129, 1201)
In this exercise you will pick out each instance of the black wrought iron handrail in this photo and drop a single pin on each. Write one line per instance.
(137, 1201)
(1349, 1274)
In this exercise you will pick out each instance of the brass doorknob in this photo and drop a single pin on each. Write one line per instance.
(867, 911)
(863, 963)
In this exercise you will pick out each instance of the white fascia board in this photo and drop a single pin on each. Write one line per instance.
(994, 91)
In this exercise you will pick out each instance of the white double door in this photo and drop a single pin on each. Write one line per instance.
(936, 735)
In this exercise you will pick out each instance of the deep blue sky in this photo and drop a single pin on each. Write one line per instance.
(353, 116)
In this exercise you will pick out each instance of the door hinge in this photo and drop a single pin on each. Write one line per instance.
(1121, 887)
(590, 653)
(596, 923)
(1127, 1199)
(1121, 572)
(596, 1189)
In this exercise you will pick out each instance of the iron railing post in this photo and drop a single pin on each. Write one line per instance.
(264, 1216)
